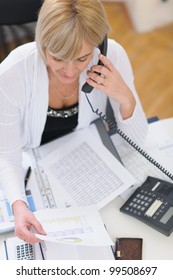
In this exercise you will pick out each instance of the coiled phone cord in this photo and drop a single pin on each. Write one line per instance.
(113, 126)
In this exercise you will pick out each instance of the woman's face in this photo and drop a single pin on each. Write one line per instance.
(69, 71)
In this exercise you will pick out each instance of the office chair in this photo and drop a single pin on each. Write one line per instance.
(15, 19)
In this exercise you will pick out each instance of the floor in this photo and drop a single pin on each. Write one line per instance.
(151, 56)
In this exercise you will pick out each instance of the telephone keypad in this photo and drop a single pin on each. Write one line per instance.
(142, 201)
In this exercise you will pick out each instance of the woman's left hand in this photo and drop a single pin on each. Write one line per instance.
(110, 82)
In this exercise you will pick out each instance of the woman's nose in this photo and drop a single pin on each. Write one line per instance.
(69, 68)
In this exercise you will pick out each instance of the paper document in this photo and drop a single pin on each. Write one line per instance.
(6, 215)
(74, 226)
(164, 142)
(85, 171)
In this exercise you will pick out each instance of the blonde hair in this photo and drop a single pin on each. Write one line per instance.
(63, 25)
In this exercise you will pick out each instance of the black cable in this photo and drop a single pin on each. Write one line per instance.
(113, 126)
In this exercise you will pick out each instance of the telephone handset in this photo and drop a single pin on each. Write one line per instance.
(112, 124)
(103, 50)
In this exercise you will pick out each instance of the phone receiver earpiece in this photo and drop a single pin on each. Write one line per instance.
(103, 50)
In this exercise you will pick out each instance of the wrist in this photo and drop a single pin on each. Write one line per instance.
(19, 206)
(127, 107)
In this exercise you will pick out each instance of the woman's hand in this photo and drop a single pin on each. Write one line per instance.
(25, 221)
(110, 82)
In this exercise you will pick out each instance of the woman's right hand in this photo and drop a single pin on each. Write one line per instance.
(26, 223)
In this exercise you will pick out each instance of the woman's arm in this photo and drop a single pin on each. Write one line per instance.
(117, 82)
(11, 170)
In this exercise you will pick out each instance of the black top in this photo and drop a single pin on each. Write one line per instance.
(59, 123)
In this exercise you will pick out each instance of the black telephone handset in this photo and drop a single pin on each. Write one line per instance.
(103, 50)
(112, 124)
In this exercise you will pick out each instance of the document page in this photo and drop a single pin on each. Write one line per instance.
(6, 215)
(74, 226)
(86, 171)
(163, 141)
(158, 145)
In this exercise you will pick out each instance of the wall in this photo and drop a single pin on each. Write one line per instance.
(149, 14)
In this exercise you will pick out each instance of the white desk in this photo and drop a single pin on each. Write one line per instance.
(156, 246)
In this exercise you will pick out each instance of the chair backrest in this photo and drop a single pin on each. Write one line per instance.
(13, 12)
(17, 17)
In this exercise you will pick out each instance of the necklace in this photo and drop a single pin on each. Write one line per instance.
(58, 92)
(65, 96)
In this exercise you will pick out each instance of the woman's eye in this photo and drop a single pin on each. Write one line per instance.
(57, 59)
(82, 59)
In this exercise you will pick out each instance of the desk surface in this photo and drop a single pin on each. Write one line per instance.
(156, 246)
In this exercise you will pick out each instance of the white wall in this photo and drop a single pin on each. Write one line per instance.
(149, 14)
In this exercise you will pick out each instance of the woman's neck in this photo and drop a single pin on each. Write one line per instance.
(60, 94)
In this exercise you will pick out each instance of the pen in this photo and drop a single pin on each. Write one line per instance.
(28, 174)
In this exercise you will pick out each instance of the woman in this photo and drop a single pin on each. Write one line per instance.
(41, 95)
